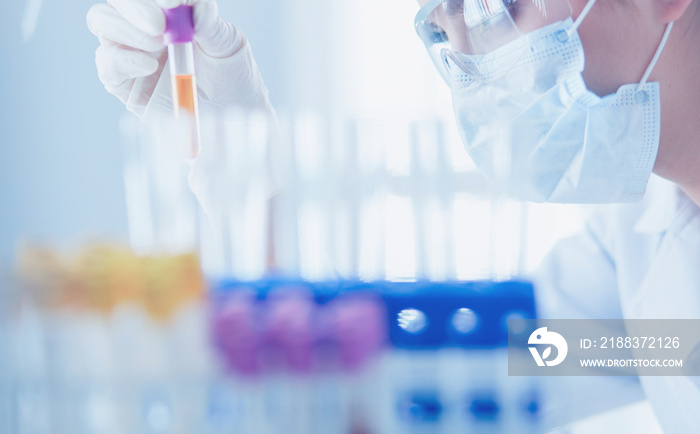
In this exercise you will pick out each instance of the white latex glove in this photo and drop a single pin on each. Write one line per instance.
(131, 57)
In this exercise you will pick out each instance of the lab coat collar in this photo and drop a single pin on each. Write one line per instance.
(661, 202)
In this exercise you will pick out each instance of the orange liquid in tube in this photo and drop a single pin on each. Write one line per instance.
(185, 102)
(185, 92)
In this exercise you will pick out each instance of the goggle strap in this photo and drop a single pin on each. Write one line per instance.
(655, 59)
(580, 18)
(425, 11)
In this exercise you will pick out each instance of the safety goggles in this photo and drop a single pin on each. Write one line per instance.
(453, 28)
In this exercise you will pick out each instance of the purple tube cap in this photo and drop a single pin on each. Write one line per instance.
(179, 25)
(359, 325)
(288, 330)
(236, 335)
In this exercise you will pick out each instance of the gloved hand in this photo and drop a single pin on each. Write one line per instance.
(131, 57)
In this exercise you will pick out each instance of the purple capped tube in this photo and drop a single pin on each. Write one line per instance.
(178, 36)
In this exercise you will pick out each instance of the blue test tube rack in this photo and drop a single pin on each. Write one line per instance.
(445, 367)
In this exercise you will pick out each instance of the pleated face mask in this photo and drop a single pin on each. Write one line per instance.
(526, 117)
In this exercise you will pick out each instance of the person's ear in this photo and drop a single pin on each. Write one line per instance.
(671, 10)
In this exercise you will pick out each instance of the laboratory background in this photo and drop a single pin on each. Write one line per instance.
(62, 148)
(69, 195)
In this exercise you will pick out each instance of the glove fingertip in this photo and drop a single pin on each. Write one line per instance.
(158, 25)
(95, 15)
(169, 4)
(90, 18)
(150, 65)
(204, 11)
(144, 15)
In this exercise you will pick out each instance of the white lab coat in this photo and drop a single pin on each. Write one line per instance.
(634, 261)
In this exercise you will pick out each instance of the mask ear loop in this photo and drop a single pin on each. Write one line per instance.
(580, 18)
(639, 96)
(655, 59)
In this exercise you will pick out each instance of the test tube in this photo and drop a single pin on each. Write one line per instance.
(178, 36)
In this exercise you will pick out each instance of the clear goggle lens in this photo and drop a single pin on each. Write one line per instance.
(478, 27)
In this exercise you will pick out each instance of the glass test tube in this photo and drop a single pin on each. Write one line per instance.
(178, 36)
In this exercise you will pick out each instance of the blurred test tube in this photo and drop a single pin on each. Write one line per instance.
(508, 238)
(161, 209)
(302, 207)
(359, 179)
(231, 180)
(433, 191)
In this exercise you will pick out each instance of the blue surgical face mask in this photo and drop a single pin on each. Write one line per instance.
(531, 126)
